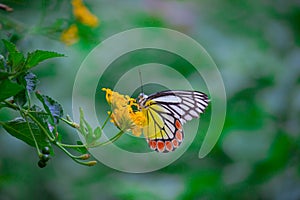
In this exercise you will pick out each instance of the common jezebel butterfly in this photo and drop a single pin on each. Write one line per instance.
(166, 112)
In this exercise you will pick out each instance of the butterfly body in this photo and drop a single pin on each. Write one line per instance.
(165, 112)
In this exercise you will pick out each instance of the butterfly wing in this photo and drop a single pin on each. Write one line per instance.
(166, 112)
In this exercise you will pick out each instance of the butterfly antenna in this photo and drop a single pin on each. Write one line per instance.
(140, 75)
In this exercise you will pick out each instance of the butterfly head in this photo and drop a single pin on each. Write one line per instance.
(142, 99)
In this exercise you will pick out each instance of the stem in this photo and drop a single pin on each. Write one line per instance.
(66, 151)
(111, 140)
(72, 145)
(71, 155)
(106, 120)
(70, 123)
(26, 113)
(32, 135)
(51, 138)
(13, 106)
(28, 99)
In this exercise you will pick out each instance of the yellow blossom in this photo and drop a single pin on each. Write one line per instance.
(83, 15)
(70, 35)
(123, 115)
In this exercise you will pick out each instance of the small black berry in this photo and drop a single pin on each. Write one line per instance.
(45, 157)
(41, 164)
(46, 150)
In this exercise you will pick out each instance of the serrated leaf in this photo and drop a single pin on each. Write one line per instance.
(31, 81)
(38, 113)
(20, 129)
(20, 98)
(15, 58)
(34, 58)
(9, 89)
(51, 106)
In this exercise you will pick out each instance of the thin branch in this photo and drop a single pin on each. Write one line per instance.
(113, 139)
(51, 138)
(106, 120)
(32, 135)
(72, 145)
(70, 123)
(75, 158)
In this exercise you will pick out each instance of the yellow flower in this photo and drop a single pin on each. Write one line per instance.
(123, 115)
(83, 15)
(70, 35)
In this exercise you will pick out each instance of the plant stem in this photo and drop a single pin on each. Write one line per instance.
(27, 113)
(66, 151)
(32, 135)
(106, 120)
(11, 105)
(75, 158)
(111, 140)
(72, 145)
(70, 123)
(51, 138)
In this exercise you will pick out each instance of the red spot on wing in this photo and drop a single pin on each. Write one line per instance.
(169, 146)
(152, 144)
(166, 146)
(178, 125)
(178, 135)
(160, 146)
(175, 143)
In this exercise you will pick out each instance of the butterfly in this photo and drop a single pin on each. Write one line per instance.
(166, 112)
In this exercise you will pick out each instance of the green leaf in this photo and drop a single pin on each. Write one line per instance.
(20, 129)
(20, 98)
(15, 58)
(29, 81)
(2, 105)
(39, 114)
(82, 150)
(9, 89)
(51, 106)
(43, 119)
(81, 124)
(87, 131)
(3, 75)
(34, 58)
(2, 62)
(97, 133)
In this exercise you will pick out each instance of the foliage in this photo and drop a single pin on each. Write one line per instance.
(256, 47)
(36, 126)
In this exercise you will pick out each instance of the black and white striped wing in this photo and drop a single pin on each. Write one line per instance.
(165, 112)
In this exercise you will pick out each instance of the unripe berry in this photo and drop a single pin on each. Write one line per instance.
(41, 164)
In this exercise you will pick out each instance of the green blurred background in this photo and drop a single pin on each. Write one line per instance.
(255, 45)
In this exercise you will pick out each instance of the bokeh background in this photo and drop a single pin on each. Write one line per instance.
(255, 45)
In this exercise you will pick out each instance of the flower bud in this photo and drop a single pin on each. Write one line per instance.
(85, 156)
(91, 163)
